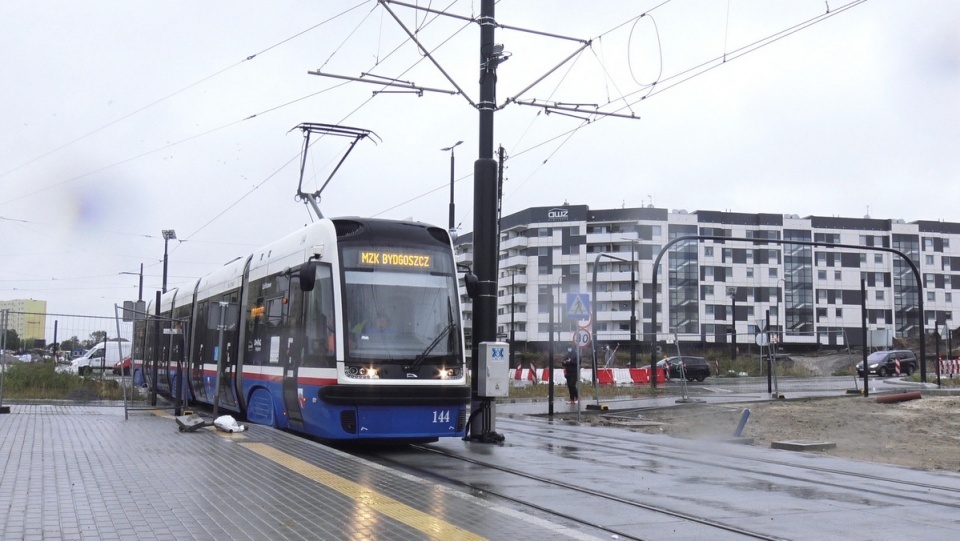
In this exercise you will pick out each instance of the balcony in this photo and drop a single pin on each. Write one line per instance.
(515, 242)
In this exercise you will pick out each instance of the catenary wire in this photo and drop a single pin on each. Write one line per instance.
(175, 93)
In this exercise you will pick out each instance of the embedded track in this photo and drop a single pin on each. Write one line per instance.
(635, 486)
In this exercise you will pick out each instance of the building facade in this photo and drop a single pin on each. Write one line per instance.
(26, 316)
(796, 281)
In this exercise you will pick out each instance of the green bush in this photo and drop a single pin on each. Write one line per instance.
(43, 381)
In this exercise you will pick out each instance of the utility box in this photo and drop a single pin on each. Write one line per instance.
(494, 370)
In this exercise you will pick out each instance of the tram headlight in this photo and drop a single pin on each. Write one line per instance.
(362, 372)
(450, 373)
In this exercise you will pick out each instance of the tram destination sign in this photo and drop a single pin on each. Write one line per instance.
(394, 259)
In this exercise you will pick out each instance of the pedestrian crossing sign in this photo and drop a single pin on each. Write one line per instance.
(578, 305)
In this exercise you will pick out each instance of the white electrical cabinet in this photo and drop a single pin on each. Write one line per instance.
(494, 370)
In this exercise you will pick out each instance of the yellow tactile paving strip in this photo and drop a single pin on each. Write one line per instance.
(378, 502)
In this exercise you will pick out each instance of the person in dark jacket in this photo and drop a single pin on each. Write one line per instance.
(572, 373)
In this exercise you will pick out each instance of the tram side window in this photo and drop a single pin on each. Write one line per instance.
(274, 311)
(320, 321)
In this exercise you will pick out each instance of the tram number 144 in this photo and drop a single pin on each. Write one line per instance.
(441, 416)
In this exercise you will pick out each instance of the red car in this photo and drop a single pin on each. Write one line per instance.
(122, 367)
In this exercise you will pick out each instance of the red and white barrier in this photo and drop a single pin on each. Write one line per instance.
(605, 376)
(950, 367)
(524, 374)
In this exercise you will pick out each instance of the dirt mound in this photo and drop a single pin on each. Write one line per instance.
(922, 433)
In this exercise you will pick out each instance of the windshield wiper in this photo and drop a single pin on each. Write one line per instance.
(445, 331)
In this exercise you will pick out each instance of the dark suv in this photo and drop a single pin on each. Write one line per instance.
(884, 363)
(692, 368)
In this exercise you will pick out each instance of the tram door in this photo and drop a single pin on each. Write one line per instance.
(291, 352)
(227, 377)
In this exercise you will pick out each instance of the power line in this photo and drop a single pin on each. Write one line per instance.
(172, 94)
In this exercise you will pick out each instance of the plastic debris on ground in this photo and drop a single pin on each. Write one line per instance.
(227, 423)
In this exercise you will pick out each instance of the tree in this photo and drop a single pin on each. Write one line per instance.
(71, 344)
(96, 337)
(13, 340)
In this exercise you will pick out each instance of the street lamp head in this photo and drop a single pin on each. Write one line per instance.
(451, 147)
(169, 234)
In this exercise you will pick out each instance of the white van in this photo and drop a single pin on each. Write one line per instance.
(95, 359)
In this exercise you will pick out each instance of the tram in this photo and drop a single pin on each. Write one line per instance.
(348, 329)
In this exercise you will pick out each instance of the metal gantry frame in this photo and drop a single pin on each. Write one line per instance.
(913, 266)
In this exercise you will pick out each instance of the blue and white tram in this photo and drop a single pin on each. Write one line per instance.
(347, 329)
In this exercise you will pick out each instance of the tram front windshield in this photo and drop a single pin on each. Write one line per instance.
(401, 305)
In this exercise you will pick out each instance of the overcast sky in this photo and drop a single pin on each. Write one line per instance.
(121, 119)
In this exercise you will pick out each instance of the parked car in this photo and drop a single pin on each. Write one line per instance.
(122, 368)
(100, 358)
(691, 368)
(884, 363)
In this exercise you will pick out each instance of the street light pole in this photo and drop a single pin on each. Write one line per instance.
(140, 292)
(513, 311)
(550, 359)
(782, 314)
(732, 292)
(168, 235)
(633, 303)
(450, 148)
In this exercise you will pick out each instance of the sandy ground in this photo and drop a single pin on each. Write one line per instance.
(922, 433)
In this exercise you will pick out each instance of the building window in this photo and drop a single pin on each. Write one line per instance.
(708, 251)
(543, 231)
(927, 244)
(877, 258)
(948, 297)
(708, 290)
(839, 312)
(931, 296)
(749, 272)
(821, 275)
(880, 295)
(928, 259)
(837, 275)
(821, 259)
(773, 273)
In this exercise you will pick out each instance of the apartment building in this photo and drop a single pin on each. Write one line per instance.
(27, 317)
(799, 281)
